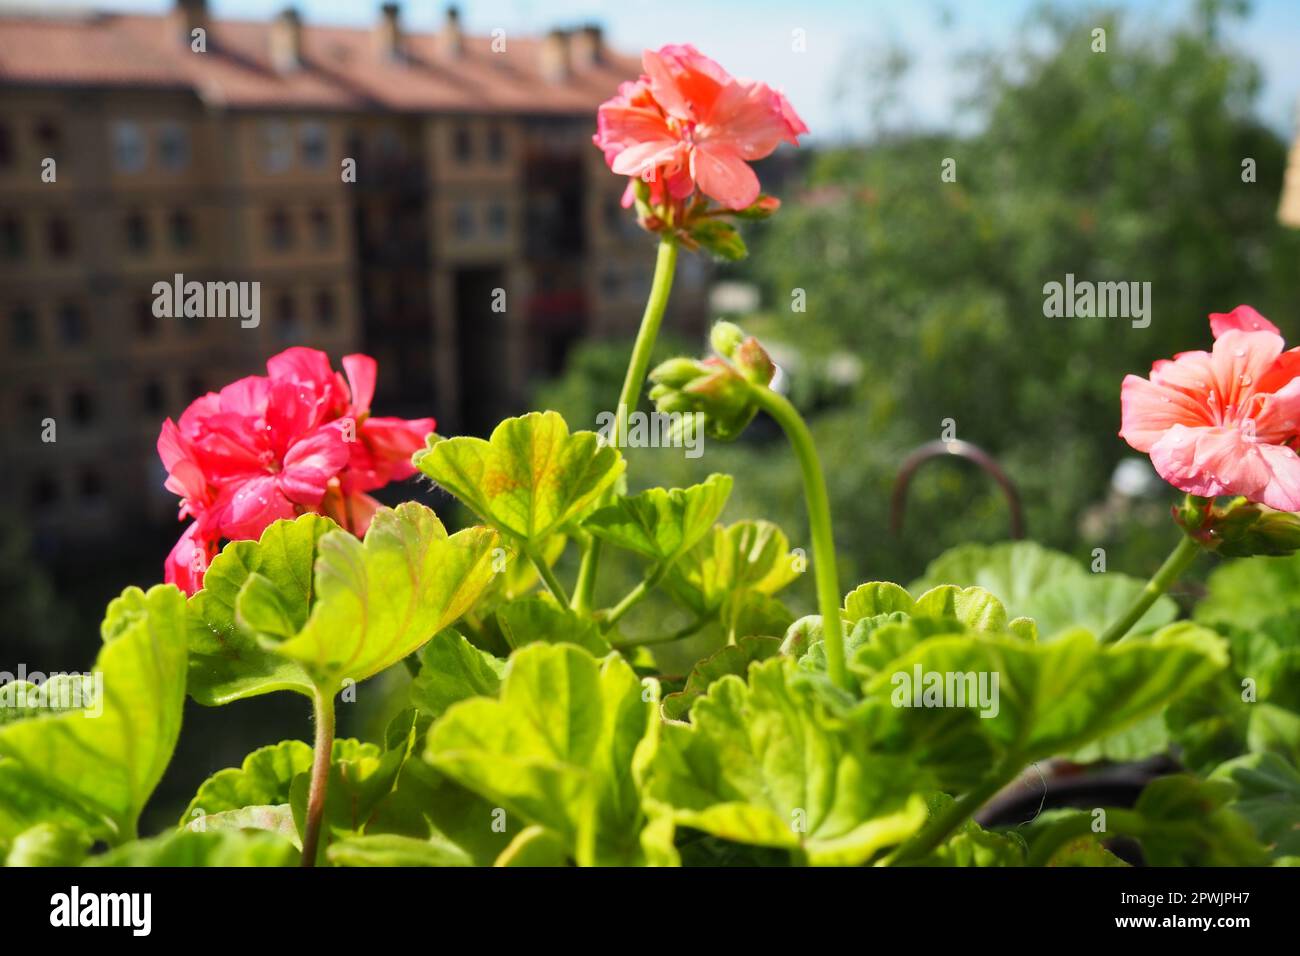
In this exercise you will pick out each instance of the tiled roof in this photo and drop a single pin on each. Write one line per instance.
(342, 68)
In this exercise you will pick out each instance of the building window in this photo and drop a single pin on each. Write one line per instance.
(11, 237)
(72, 324)
(321, 228)
(496, 145)
(146, 323)
(497, 220)
(182, 228)
(314, 141)
(463, 144)
(60, 238)
(279, 229)
(44, 491)
(128, 147)
(152, 397)
(48, 138)
(92, 485)
(137, 233)
(286, 318)
(83, 407)
(277, 146)
(23, 330)
(464, 223)
(326, 314)
(173, 147)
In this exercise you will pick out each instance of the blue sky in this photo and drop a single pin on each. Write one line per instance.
(753, 38)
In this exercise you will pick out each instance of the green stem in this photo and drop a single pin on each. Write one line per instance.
(939, 827)
(320, 775)
(1178, 561)
(637, 367)
(632, 597)
(548, 578)
(819, 522)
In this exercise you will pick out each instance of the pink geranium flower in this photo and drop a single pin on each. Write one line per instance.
(1223, 422)
(687, 124)
(276, 446)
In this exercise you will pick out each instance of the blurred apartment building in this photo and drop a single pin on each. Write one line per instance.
(475, 178)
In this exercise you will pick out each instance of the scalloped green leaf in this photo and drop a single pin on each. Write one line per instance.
(541, 618)
(263, 779)
(376, 601)
(761, 764)
(748, 556)
(1050, 698)
(388, 849)
(97, 771)
(875, 598)
(1092, 602)
(1268, 795)
(560, 748)
(731, 659)
(529, 479)
(217, 848)
(1013, 571)
(227, 662)
(452, 669)
(662, 524)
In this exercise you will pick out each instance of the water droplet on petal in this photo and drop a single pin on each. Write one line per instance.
(1240, 353)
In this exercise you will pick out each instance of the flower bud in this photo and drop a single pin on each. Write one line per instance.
(726, 338)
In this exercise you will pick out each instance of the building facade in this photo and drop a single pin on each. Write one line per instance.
(431, 199)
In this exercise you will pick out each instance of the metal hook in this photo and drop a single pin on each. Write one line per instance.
(962, 449)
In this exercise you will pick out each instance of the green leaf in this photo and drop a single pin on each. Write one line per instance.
(972, 845)
(22, 699)
(558, 749)
(720, 239)
(875, 598)
(1245, 593)
(534, 846)
(391, 850)
(762, 764)
(361, 775)
(263, 779)
(731, 659)
(1092, 602)
(1268, 795)
(1049, 698)
(748, 556)
(453, 669)
(214, 848)
(226, 661)
(98, 771)
(661, 524)
(377, 601)
(529, 479)
(49, 844)
(542, 619)
(1014, 571)
(1187, 822)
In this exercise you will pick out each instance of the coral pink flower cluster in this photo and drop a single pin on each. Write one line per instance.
(1224, 422)
(687, 124)
(300, 438)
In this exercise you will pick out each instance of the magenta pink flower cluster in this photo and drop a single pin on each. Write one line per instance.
(300, 438)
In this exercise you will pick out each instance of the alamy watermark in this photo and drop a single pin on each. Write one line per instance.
(208, 300)
(57, 691)
(1101, 300)
(922, 688)
(655, 430)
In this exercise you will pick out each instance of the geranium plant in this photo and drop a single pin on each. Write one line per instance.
(537, 733)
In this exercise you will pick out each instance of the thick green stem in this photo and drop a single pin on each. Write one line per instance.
(1178, 561)
(819, 522)
(548, 578)
(637, 367)
(320, 775)
(939, 827)
(649, 639)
